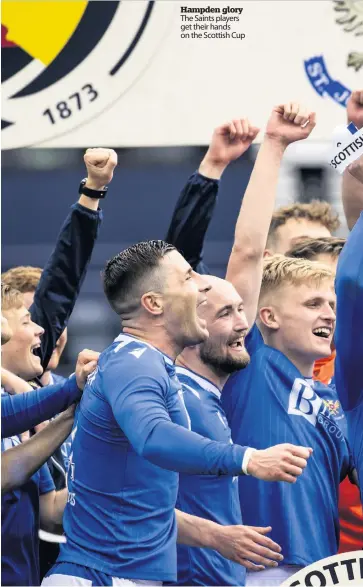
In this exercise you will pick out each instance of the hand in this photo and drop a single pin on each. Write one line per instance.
(100, 164)
(283, 462)
(68, 414)
(86, 364)
(228, 143)
(355, 108)
(356, 169)
(248, 546)
(290, 123)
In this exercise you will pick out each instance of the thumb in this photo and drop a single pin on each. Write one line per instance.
(111, 162)
(87, 369)
(253, 132)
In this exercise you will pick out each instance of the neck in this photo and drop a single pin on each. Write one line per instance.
(157, 338)
(190, 360)
(45, 378)
(303, 363)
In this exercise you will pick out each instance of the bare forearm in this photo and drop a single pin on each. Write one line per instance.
(259, 200)
(51, 509)
(194, 531)
(245, 263)
(20, 462)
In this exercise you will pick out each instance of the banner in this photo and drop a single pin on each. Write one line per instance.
(342, 569)
(165, 73)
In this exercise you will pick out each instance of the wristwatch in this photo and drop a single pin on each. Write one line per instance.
(95, 194)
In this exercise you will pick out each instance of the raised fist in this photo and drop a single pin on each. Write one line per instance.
(289, 123)
(355, 108)
(86, 364)
(100, 164)
(283, 462)
(228, 143)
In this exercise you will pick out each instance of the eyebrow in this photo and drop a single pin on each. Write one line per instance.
(226, 307)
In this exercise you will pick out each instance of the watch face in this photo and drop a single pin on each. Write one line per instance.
(63, 63)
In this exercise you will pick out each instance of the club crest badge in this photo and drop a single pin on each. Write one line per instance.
(63, 63)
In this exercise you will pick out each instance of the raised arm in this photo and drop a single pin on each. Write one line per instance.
(66, 269)
(245, 263)
(19, 463)
(349, 325)
(352, 192)
(195, 206)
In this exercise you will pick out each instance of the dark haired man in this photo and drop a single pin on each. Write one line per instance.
(133, 414)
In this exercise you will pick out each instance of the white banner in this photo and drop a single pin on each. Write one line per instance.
(167, 72)
(341, 569)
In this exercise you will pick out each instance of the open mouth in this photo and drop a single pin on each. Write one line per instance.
(237, 345)
(34, 348)
(323, 332)
(203, 301)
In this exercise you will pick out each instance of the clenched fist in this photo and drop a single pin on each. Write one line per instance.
(100, 165)
(228, 143)
(289, 123)
(86, 364)
(283, 462)
(355, 108)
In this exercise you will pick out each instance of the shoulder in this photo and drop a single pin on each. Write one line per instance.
(129, 356)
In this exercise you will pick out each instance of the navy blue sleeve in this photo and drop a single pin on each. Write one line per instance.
(140, 409)
(349, 326)
(25, 410)
(63, 276)
(192, 215)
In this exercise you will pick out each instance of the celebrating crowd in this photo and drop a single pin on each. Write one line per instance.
(218, 440)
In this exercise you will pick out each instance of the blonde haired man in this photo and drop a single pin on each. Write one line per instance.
(275, 400)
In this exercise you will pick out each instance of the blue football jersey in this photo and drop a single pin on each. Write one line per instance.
(130, 439)
(270, 403)
(349, 341)
(213, 497)
(20, 525)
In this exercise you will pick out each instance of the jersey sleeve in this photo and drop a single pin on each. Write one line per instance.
(63, 275)
(46, 483)
(349, 325)
(140, 409)
(25, 410)
(192, 215)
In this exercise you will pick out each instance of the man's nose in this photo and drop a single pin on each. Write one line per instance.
(203, 285)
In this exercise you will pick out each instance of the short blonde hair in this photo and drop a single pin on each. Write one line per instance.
(23, 278)
(10, 298)
(317, 211)
(280, 270)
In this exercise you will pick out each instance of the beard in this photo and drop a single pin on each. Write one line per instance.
(211, 354)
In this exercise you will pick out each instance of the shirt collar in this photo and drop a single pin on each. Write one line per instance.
(202, 381)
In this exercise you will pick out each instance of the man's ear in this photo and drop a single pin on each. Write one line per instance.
(268, 253)
(153, 303)
(268, 317)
